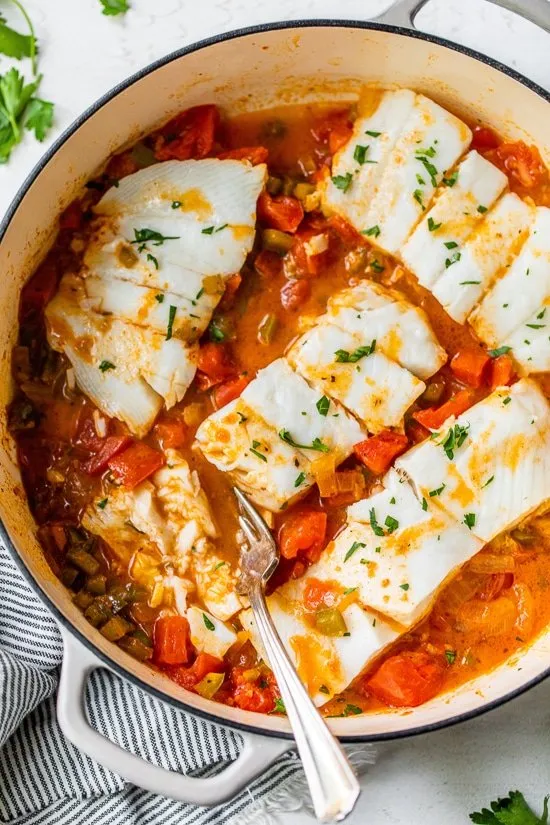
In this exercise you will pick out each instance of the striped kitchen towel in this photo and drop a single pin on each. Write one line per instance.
(44, 780)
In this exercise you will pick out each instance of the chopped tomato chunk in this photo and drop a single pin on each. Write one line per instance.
(407, 679)
(268, 264)
(253, 154)
(281, 212)
(484, 138)
(135, 464)
(231, 287)
(108, 449)
(309, 254)
(228, 391)
(319, 593)
(378, 452)
(294, 293)
(434, 417)
(469, 366)
(253, 689)
(346, 232)
(523, 162)
(171, 642)
(215, 365)
(189, 135)
(172, 432)
(334, 130)
(501, 371)
(303, 532)
(188, 677)
(71, 218)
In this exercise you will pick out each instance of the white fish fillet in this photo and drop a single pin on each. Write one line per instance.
(487, 253)
(386, 123)
(401, 330)
(208, 634)
(398, 573)
(325, 664)
(438, 240)
(377, 390)
(522, 291)
(500, 473)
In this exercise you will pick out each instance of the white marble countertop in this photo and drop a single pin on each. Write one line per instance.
(441, 777)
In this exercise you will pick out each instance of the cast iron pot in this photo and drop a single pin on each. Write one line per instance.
(243, 70)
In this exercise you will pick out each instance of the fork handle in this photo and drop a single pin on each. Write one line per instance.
(333, 785)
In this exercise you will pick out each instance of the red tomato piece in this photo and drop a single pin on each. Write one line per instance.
(257, 695)
(501, 371)
(172, 432)
(188, 677)
(303, 532)
(407, 679)
(484, 138)
(378, 451)
(268, 264)
(319, 593)
(189, 135)
(334, 130)
(469, 366)
(434, 417)
(346, 232)
(135, 464)
(229, 390)
(294, 294)
(523, 162)
(71, 218)
(306, 264)
(231, 287)
(253, 154)
(108, 449)
(215, 365)
(171, 640)
(281, 212)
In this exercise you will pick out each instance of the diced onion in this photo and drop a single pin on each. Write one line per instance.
(317, 244)
(526, 609)
(71, 379)
(487, 563)
(487, 619)
(100, 424)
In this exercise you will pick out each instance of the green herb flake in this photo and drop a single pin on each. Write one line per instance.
(107, 365)
(496, 353)
(451, 244)
(376, 529)
(418, 196)
(535, 326)
(482, 209)
(376, 266)
(489, 481)
(153, 260)
(420, 180)
(171, 318)
(342, 182)
(468, 283)
(353, 549)
(433, 226)
(219, 564)
(424, 504)
(199, 294)
(373, 134)
(469, 520)
(452, 179)
(450, 655)
(144, 236)
(404, 587)
(207, 623)
(316, 444)
(349, 590)
(507, 400)
(436, 492)
(454, 439)
(372, 232)
(255, 451)
(160, 297)
(360, 154)
(103, 503)
(391, 523)
(279, 706)
(111, 8)
(176, 204)
(324, 689)
(323, 405)
(300, 478)
(345, 357)
(215, 333)
(452, 260)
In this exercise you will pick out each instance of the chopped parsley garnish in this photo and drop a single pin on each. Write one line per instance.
(349, 590)
(376, 529)
(373, 134)
(541, 314)
(468, 283)
(153, 260)
(209, 230)
(512, 810)
(452, 179)
(451, 244)
(420, 180)
(300, 478)
(316, 444)
(424, 504)
(436, 492)
(360, 154)
(219, 564)
(159, 297)
(216, 334)
(242, 417)
(279, 706)
(372, 232)
(342, 182)
(450, 655)
(454, 439)
(199, 294)
(207, 623)
(324, 689)
(254, 449)
(432, 225)
(171, 318)
(111, 8)
(482, 209)
(176, 204)
(376, 266)
(107, 365)
(429, 152)
(469, 520)
(323, 405)
(417, 195)
(507, 400)
(391, 523)
(430, 169)
(345, 357)
(489, 480)
(349, 710)
(535, 326)
(452, 260)
(404, 587)
(103, 503)
(354, 547)
(145, 236)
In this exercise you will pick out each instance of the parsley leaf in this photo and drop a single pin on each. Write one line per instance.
(171, 317)
(345, 357)
(13, 44)
(469, 520)
(454, 439)
(300, 478)
(373, 134)
(106, 365)
(450, 655)
(511, 810)
(342, 182)
(372, 232)
(114, 7)
(103, 503)
(376, 529)
(391, 523)
(432, 225)
(495, 353)
(144, 236)
(360, 154)
(355, 546)
(279, 706)
(38, 117)
(322, 405)
(216, 334)
(316, 444)
(452, 179)
(257, 453)
(207, 623)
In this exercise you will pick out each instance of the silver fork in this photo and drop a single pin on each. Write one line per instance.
(333, 785)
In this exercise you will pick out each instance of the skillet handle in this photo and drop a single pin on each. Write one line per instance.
(257, 754)
(404, 12)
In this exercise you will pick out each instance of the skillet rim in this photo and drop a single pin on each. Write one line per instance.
(234, 34)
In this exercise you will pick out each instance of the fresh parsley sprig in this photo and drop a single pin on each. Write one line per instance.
(113, 7)
(511, 810)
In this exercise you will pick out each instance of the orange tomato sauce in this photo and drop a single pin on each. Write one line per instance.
(467, 631)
